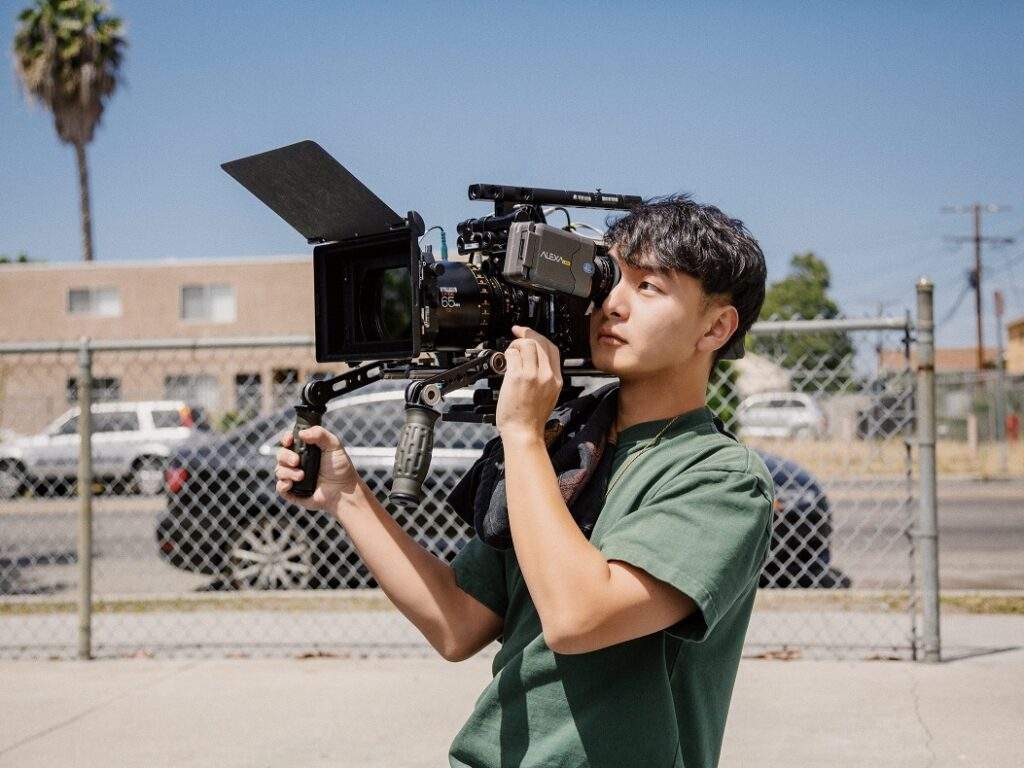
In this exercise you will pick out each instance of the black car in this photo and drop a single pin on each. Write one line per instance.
(889, 416)
(800, 551)
(224, 517)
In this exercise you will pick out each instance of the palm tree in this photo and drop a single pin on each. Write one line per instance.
(68, 56)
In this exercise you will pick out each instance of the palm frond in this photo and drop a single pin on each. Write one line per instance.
(68, 55)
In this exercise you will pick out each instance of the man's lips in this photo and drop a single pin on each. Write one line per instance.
(603, 334)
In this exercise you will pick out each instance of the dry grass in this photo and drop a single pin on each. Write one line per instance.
(842, 600)
(880, 601)
(889, 458)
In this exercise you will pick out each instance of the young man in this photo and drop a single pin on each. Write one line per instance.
(621, 613)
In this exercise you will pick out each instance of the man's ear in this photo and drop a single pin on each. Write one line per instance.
(720, 324)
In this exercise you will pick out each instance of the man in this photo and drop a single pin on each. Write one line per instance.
(621, 631)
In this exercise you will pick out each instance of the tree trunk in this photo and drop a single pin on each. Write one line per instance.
(83, 193)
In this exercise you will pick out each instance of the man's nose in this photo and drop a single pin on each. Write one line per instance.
(615, 303)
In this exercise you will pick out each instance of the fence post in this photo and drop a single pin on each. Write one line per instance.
(926, 533)
(85, 500)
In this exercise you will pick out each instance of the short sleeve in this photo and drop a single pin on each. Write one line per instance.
(704, 532)
(480, 572)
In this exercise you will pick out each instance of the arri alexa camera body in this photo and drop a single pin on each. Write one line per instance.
(392, 310)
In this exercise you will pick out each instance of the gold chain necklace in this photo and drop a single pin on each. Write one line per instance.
(638, 454)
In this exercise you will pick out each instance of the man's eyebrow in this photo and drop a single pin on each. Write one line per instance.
(644, 263)
(647, 265)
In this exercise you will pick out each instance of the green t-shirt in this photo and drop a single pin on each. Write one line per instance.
(694, 511)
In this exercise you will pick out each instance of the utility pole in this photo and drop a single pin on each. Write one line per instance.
(976, 209)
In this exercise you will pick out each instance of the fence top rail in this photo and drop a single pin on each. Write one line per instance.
(123, 345)
(839, 324)
(242, 342)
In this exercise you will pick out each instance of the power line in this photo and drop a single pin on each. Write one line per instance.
(976, 209)
(956, 305)
(1010, 266)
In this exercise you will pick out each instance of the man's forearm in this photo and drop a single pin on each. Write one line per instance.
(420, 585)
(563, 571)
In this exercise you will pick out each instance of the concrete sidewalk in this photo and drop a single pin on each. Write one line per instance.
(378, 713)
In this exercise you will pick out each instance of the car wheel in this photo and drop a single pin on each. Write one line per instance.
(11, 481)
(270, 552)
(148, 478)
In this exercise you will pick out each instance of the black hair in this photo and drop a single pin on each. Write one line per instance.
(676, 233)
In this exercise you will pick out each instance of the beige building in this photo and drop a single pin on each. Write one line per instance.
(155, 300)
(1015, 346)
(947, 359)
(965, 359)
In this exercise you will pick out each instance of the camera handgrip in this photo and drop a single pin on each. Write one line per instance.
(309, 455)
(412, 457)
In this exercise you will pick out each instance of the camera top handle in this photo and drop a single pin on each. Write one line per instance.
(505, 197)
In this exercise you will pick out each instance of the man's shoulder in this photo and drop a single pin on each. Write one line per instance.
(721, 455)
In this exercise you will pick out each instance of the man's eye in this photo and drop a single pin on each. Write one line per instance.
(650, 285)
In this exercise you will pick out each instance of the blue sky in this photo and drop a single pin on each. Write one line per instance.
(842, 128)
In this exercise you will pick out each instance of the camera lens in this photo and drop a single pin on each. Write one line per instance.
(385, 306)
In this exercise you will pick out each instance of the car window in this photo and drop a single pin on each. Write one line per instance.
(264, 430)
(69, 427)
(166, 419)
(373, 425)
(186, 416)
(461, 435)
(115, 421)
(379, 425)
(794, 403)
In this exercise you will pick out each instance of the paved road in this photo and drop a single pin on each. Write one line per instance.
(981, 541)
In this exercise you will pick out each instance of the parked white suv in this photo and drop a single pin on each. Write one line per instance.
(130, 445)
(781, 414)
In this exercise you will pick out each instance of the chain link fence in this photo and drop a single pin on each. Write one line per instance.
(978, 422)
(193, 552)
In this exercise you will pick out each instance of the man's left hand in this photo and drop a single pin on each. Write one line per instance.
(533, 379)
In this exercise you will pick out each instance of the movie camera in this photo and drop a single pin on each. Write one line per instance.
(392, 310)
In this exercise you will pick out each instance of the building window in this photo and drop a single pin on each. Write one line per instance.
(249, 393)
(194, 389)
(208, 303)
(286, 387)
(104, 389)
(98, 302)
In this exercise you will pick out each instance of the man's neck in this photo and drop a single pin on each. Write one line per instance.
(660, 397)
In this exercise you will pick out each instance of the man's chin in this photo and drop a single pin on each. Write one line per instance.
(606, 361)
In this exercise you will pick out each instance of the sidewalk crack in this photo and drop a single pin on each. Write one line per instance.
(98, 706)
(929, 738)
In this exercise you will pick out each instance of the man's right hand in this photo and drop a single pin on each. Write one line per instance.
(338, 476)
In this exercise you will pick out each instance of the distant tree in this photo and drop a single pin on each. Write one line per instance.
(68, 55)
(817, 361)
(21, 258)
